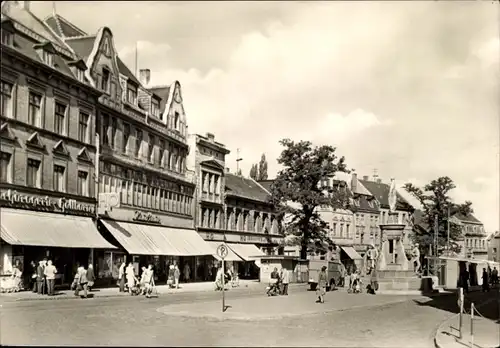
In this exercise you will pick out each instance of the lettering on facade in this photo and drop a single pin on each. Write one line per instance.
(62, 204)
(146, 217)
(210, 236)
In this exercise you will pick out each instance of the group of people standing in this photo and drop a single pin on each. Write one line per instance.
(128, 282)
(278, 282)
(83, 280)
(43, 277)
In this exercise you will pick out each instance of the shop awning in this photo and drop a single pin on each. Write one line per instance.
(248, 252)
(353, 254)
(24, 227)
(231, 256)
(140, 239)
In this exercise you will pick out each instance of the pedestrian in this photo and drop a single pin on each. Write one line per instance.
(464, 280)
(148, 280)
(50, 274)
(40, 278)
(177, 275)
(81, 281)
(285, 280)
(494, 275)
(121, 276)
(486, 283)
(171, 277)
(187, 273)
(322, 281)
(90, 277)
(130, 275)
(33, 277)
(142, 281)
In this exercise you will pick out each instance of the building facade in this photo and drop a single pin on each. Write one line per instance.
(493, 242)
(146, 193)
(48, 149)
(475, 239)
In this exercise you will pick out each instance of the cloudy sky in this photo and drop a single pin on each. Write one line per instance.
(408, 88)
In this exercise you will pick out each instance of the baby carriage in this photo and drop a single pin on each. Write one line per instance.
(355, 286)
(274, 287)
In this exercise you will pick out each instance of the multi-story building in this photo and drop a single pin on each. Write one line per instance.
(145, 191)
(48, 148)
(475, 239)
(380, 191)
(493, 242)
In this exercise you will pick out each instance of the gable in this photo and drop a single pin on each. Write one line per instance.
(60, 148)
(104, 55)
(35, 141)
(83, 155)
(6, 133)
(212, 163)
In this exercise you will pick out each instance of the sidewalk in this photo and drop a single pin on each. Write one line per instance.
(113, 292)
(265, 308)
(486, 332)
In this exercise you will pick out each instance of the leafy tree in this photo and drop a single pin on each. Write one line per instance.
(262, 168)
(300, 188)
(436, 203)
(254, 172)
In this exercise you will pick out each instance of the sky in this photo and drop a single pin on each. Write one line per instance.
(408, 88)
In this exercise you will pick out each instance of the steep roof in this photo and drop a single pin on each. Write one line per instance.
(266, 184)
(467, 218)
(381, 192)
(242, 187)
(63, 27)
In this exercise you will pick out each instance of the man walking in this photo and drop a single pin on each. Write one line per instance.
(40, 278)
(285, 279)
(81, 281)
(50, 275)
(322, 280)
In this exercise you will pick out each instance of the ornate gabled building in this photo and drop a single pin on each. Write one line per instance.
(144, 185)
(48, 148)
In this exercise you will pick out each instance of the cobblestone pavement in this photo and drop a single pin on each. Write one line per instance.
(136, 322)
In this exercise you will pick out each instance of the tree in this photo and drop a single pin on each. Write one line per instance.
(262, 175)
(300, 188)
(254, 172)
(436, 203)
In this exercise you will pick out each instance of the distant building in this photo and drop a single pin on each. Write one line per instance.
(493, 242)
(475, 239)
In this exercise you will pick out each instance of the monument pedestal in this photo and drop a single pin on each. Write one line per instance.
(393, 269)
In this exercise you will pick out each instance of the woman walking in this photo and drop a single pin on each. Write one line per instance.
(177, 275)
(121, 276)
(129, 273)
(322, 280)
(171, 276)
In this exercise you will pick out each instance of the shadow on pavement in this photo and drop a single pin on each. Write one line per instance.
(449, 303)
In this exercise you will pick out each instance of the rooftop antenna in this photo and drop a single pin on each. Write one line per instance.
(54, 9)
(238, 159)
(136, 56)
(375, 174)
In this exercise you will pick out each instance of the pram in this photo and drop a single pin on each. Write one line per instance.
(274, 288)
(355, 286)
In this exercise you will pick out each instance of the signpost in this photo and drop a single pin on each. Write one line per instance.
(222, 253)
(461, 306)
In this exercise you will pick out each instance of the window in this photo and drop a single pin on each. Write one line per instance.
(161, 149)
(6, 37)
(176, 120)
(59, 117)
(6, 99)
(113, 131)
(155, 108)
(126, 136)
(83, 183)
(59, 178)
(105, 80)
(48, 58)
(83, 126)
(35, 110)
(33, 173)
(105, 128)
(5, 167)
(132, 94)
(151, 148)
(80, 75)
(138, 142)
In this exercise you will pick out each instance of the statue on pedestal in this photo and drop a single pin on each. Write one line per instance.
(415, 258)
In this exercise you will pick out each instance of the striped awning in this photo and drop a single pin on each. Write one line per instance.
(248, 252)
(25, 227)
(353, 254)
(139, 239)
(231, 256)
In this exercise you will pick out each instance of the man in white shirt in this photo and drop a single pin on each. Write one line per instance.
(50, 275)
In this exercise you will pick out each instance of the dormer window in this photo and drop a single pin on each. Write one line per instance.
(78, 68)
(7, 32)
(105, 80)
(80, 75)
(46, 52)
(6, 38)
(155, 108)
(132, 94)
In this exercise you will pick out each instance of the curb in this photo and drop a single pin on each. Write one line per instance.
(446, 322)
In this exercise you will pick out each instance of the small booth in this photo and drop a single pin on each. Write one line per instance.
(454, 265)
(297, 269)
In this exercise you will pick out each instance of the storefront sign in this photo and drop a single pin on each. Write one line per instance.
(62, 204)
(146, 217)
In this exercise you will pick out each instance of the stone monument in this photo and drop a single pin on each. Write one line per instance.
(393, 269)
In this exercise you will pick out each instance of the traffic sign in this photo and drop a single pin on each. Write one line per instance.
(222, 251)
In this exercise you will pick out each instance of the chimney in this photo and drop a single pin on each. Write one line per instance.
(365, 177)
(227, 170)
(210, 137)
(379, 181)
(354, 183)
(144, 76)
(25, 5)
